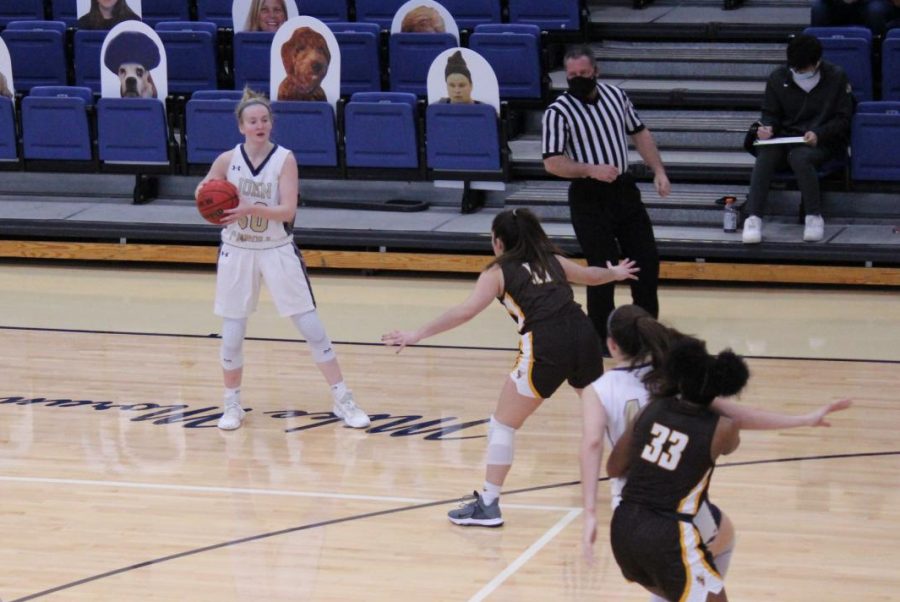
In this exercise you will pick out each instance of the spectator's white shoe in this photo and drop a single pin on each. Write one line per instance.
(752, 233)
(232, 417)
(347, 410)
(814, 230)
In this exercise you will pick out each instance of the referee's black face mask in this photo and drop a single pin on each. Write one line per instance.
(582, 87)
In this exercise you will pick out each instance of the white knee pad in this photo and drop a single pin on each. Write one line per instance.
(310, 326)
(501, 443)
(231, 353)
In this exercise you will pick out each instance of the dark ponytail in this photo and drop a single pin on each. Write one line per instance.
(699, 377)
(642, 338)
(524, 241)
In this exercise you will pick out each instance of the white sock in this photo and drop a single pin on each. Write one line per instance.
(232, 395)
(491, 492)
(338, 391)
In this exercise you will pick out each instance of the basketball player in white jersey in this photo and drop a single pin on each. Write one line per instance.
(258, 245)
(638, 345)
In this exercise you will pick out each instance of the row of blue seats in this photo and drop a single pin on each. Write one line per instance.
(852, 48)
(547, 14)
(385, 132)
(38, 54)
(375, 131)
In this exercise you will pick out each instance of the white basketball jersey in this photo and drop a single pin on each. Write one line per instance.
(257, 186)
(623, 395)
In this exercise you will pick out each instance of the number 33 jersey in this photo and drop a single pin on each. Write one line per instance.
(671, 464)
(259, 186)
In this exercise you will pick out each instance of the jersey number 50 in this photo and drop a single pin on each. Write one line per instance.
(666, 447)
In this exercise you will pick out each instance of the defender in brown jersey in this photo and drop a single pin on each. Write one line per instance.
(530, 277)
(669, 457)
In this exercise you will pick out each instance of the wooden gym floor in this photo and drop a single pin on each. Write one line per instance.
(116, 485)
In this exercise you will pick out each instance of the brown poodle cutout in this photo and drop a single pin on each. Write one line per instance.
(306, 58)
(423, 19)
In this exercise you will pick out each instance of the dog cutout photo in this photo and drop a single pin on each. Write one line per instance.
(424, 16)
(306, 65)
(133, 56)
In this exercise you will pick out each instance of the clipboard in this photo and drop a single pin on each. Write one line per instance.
(784, 140)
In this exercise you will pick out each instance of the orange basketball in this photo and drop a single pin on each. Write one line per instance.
(214, 198)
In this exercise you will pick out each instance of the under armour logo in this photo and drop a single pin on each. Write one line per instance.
(701, 580)
(235, 168)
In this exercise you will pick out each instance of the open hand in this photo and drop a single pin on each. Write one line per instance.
(817, 418)
(399, 338)
(624, 270)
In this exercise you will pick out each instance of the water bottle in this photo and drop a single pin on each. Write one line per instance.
(730, 218)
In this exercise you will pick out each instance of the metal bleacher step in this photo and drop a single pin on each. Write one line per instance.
(696, 145)
(667, 74)
(757, 20)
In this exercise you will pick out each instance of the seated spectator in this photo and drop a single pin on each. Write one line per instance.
(808, 98)
(266, 15)
(874, 14)
(106, 14)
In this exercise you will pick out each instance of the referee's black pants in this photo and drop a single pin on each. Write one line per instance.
(604, 214)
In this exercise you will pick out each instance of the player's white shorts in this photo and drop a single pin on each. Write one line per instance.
(240, 272)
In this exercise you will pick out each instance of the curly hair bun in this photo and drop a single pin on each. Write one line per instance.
(728, 373)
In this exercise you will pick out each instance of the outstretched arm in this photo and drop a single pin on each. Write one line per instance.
(756, 419)
(488, 287)
(626, 269)
(593, 426)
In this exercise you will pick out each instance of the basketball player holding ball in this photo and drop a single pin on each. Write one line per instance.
(258, 245)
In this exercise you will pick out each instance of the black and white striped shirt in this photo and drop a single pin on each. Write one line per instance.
(592, 133)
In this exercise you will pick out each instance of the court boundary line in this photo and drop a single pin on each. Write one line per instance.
(525, 556)
(261, 536)
(214, 335)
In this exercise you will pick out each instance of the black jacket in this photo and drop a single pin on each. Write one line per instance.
(825, 110)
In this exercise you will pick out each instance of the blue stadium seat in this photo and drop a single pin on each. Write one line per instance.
(470, 13)
(156, 11)
(132, 131)
(37, 50)
(65, 11)
(210, 125)
(844, 31)
(546, 14)
(360, 57)
(411, 54)
(216, 11)
(19, 10)
(324, 10)
(88, 43)
(7, 130)
(252, 59)
(875, 139)
(307, 128)
(378, 11)
(890, 65)
(55, 123)
(851, 48)
(513, 51)
(380, 130)
(462, 137)
(190, 55)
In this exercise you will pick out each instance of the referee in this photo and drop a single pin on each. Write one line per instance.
(584, 140)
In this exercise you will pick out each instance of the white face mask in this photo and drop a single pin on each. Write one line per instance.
(807, 81)
(807, 75)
